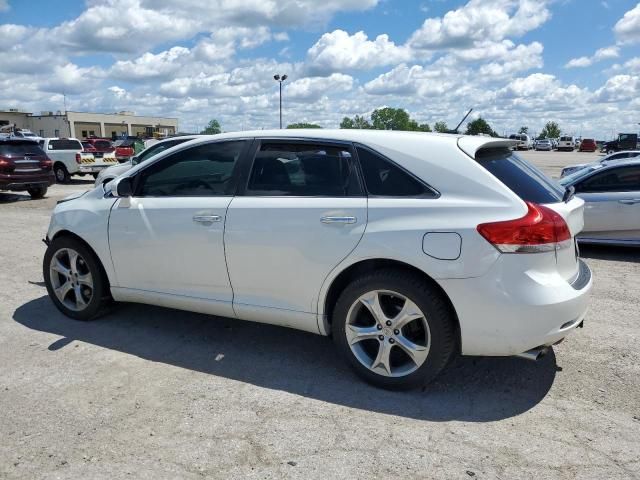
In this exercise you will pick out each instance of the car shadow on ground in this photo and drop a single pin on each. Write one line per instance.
(604, 252)
(14, 197)
(471, 389)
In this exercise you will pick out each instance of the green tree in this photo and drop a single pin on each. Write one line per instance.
(391, 119)
(303, 125)
(441, 127)
(524, 130)
(550, 130)
(478, 126)
(212, 128)
(355, 122)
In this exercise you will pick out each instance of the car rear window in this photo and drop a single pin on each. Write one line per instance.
(20, 149)
(65, 144)
(566, 139)
(520, 176)
(102, 144)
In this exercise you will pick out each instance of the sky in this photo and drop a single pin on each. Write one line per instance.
(515, 62)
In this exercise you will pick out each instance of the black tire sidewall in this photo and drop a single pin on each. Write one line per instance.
(100, 289)
(427, 298)
(65, 175)
(37, 193)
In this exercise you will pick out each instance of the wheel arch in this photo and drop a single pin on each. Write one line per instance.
(69, 233)
(351, 272)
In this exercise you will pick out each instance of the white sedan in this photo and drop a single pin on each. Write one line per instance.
(407, 248)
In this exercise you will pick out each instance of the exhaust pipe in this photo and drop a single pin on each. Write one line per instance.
(534, 354)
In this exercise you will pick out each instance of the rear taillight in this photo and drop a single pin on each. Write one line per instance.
(46, 164)
(78, 158)
(540, 230)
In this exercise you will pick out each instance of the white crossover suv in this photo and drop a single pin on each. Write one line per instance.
(407, 248)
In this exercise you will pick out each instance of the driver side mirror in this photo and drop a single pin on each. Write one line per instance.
(124, 187)
(134, 160)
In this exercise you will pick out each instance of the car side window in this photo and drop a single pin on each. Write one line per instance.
(303, 169)
(201, 171)
(383, 178)
(621, 179)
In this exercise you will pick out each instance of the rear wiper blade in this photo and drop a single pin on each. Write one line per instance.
(568, 193)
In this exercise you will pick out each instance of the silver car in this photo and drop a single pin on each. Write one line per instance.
(110, 173)
(624, 155)
(611, 192)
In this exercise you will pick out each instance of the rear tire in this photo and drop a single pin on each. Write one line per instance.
(37, 193)
(75, 280)
(384, 349)
(61, 172)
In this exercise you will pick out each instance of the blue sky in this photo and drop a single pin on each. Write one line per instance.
(517, 62)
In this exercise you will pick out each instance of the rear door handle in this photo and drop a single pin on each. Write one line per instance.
(631, 201)
(206, 218)
(338, 219)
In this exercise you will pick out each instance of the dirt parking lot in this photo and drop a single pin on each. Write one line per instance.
(151, 393)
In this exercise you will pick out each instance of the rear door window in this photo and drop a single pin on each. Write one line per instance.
(520, 176)
(65, 144)
(303, 170)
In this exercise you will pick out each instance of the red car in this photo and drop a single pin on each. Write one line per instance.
(99, 146)
(25, 167)
(588, 145)
(124, 150)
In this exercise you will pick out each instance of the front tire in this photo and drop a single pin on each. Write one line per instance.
(75, 280)
(37, 193)
(394, 329)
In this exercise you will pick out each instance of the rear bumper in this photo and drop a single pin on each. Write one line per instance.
(19, 183)
(504, 313)
(94, 168)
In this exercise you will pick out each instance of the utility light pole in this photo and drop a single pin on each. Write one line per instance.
(280, 79)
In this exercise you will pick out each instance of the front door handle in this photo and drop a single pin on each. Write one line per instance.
(339, 220)
(206, 218)
(631, 201)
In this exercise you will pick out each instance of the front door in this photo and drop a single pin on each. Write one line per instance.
(168, 237)
(302, 212)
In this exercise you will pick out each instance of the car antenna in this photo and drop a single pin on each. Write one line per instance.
(455, 130)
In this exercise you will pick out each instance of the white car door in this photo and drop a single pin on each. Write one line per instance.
(168, 237)
(302, 212)
(612, 203)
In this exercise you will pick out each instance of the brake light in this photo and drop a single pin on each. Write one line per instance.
(78, 158)
(540, 230)
(46, 163)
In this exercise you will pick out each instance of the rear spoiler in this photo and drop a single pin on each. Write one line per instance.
(471, 144)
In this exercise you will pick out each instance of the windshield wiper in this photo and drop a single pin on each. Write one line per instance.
(568, 193)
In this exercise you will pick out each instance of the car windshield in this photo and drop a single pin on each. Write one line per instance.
(102, 144)
(578, 174)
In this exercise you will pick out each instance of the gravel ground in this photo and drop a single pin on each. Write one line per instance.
(152, 393)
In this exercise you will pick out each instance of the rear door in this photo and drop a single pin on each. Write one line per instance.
(612, 197)
(301, 213)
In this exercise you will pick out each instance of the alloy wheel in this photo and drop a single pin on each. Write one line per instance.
(388, 333)
(71, 279)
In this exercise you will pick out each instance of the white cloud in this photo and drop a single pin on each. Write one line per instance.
(339, 51)
(478, 21)
(605, 53)
(627, 29)
(312, 89)
(619, 88)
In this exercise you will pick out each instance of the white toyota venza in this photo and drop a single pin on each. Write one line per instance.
(408, 248)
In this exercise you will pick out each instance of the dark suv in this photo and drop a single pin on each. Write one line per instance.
(100, 146)
(24, 166)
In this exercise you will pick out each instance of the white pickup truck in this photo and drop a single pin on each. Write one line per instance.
(69, 158)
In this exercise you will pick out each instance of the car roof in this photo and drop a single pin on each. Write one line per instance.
(17, 140)
(467, 143)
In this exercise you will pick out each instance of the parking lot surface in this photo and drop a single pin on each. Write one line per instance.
(146, 392)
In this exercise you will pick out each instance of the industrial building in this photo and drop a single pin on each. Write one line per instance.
(85, 124)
